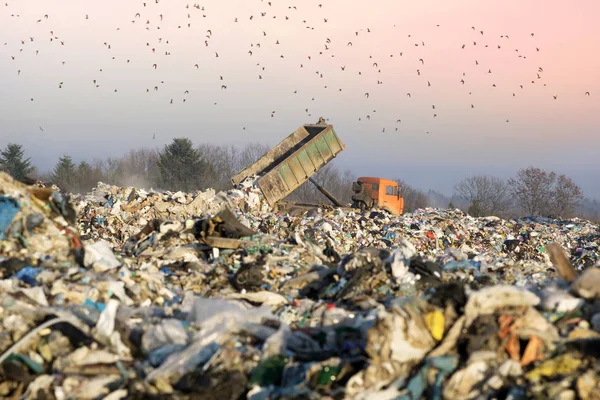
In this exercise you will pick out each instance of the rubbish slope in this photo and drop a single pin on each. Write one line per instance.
(124, 294)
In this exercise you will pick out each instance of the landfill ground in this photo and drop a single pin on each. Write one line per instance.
(131, 294)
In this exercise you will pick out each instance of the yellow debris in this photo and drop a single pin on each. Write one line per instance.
(565, 364)
(435, 323)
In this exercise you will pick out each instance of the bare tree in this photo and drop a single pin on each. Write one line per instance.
(222, 160)
(226, 161)
(112, 170)
(250, 153)
(532, 188)
(140, 168)
(566, 196)
(545, 193)
(487, 195)
(589, 209)
(338, 183)
(414, 199)
(345, 192)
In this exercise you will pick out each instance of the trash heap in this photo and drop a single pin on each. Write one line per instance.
(124, 293)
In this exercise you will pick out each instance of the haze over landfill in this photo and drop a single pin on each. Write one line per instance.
(92, 79)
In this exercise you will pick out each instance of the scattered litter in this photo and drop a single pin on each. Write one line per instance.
(126, 293)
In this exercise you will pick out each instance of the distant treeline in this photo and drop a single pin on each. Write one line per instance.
(181, 165)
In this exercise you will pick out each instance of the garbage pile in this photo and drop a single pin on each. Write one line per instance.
(124, 293)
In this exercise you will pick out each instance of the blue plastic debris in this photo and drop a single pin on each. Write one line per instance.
(59, 299)
(462, 265)
(333, 290)
(95, 305)
(390, 235)
(9, 207)
(144, 244)
(28, 275)
(294, 374)
(158, 356)
(33, 221)
(417, 384)
(175, 300)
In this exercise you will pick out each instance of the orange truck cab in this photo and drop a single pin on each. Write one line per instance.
(384, 194)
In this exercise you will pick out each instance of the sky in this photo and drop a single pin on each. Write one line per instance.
(84, 74)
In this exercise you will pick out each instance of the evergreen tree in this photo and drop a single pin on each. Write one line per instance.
(12, 161)
(64, 174)
(84, 177)
(181, 166)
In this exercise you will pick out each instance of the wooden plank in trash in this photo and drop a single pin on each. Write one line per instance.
(222, 243)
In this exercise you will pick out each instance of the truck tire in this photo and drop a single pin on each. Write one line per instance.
(363, 206)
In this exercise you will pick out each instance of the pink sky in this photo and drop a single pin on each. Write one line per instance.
(88, 122)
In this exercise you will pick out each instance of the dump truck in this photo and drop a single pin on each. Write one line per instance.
(293, 161)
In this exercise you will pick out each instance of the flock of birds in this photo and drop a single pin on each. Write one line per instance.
(152, 20)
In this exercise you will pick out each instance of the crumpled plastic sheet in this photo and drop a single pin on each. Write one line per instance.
(9, 207)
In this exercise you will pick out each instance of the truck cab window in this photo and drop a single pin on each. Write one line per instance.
(390, 190)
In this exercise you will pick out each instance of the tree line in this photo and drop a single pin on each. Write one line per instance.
(532, 192)
(181, 165)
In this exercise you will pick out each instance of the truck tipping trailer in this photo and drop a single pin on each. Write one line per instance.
(293, 161)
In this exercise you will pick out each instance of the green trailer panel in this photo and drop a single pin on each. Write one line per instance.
(294, 169)
(273, 156)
